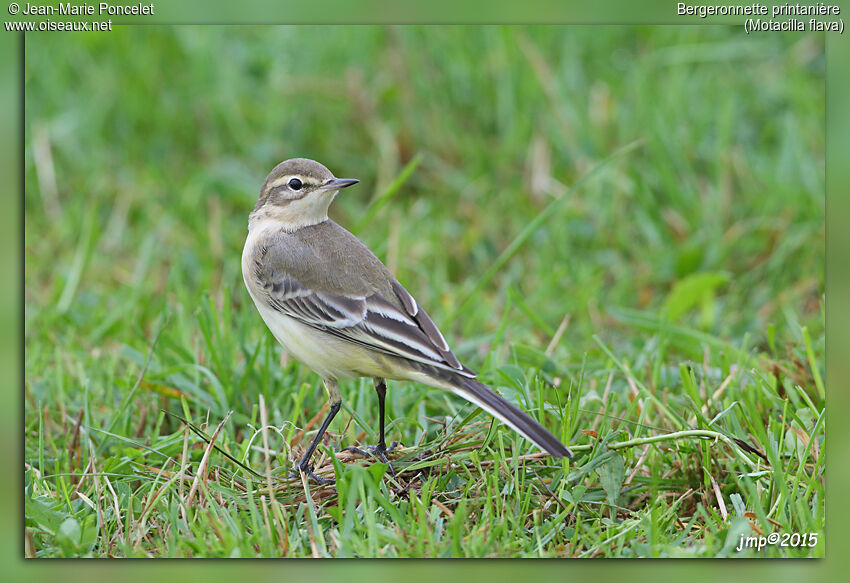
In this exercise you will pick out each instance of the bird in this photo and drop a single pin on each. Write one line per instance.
(335, 308)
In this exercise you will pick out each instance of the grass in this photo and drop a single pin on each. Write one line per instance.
(620, 228)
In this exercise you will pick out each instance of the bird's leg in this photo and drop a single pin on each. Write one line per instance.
(379, 451)
(304, 465)
(381, 389)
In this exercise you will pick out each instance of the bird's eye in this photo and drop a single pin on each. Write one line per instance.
(295, 184)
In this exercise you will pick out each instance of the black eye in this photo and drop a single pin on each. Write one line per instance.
(295, 184)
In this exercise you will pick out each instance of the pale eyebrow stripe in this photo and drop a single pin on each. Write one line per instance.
(284, 179)
(280, 181)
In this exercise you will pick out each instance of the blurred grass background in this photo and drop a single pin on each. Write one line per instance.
(703, 240)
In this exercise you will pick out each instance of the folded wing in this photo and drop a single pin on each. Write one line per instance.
(398, 328)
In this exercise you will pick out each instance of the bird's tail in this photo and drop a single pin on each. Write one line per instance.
(483, 396)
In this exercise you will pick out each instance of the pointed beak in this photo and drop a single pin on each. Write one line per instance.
(337, 183)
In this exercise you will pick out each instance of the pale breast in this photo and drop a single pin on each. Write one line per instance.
(326, 355)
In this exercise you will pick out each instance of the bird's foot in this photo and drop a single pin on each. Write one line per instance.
(377, 451)
(307, 470)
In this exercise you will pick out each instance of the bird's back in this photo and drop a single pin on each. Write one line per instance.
(324, 258)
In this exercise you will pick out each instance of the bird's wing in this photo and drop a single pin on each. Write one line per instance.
(397, 328)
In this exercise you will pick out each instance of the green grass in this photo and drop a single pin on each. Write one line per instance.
(621, 228)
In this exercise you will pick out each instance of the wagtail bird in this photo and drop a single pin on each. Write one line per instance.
(336, 308)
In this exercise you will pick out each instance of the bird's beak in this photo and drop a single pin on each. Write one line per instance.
(337, 183)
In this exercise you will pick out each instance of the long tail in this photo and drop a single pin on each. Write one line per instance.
(483, 396)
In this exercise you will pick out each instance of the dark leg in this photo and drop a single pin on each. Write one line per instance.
(381, 389)
(304, 465)
(379, 451)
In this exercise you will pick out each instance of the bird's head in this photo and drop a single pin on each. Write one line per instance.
(298, 192)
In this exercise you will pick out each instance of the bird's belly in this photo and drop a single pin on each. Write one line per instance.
(327, 356)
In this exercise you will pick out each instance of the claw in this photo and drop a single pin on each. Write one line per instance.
(308, 471)
(377, 451)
